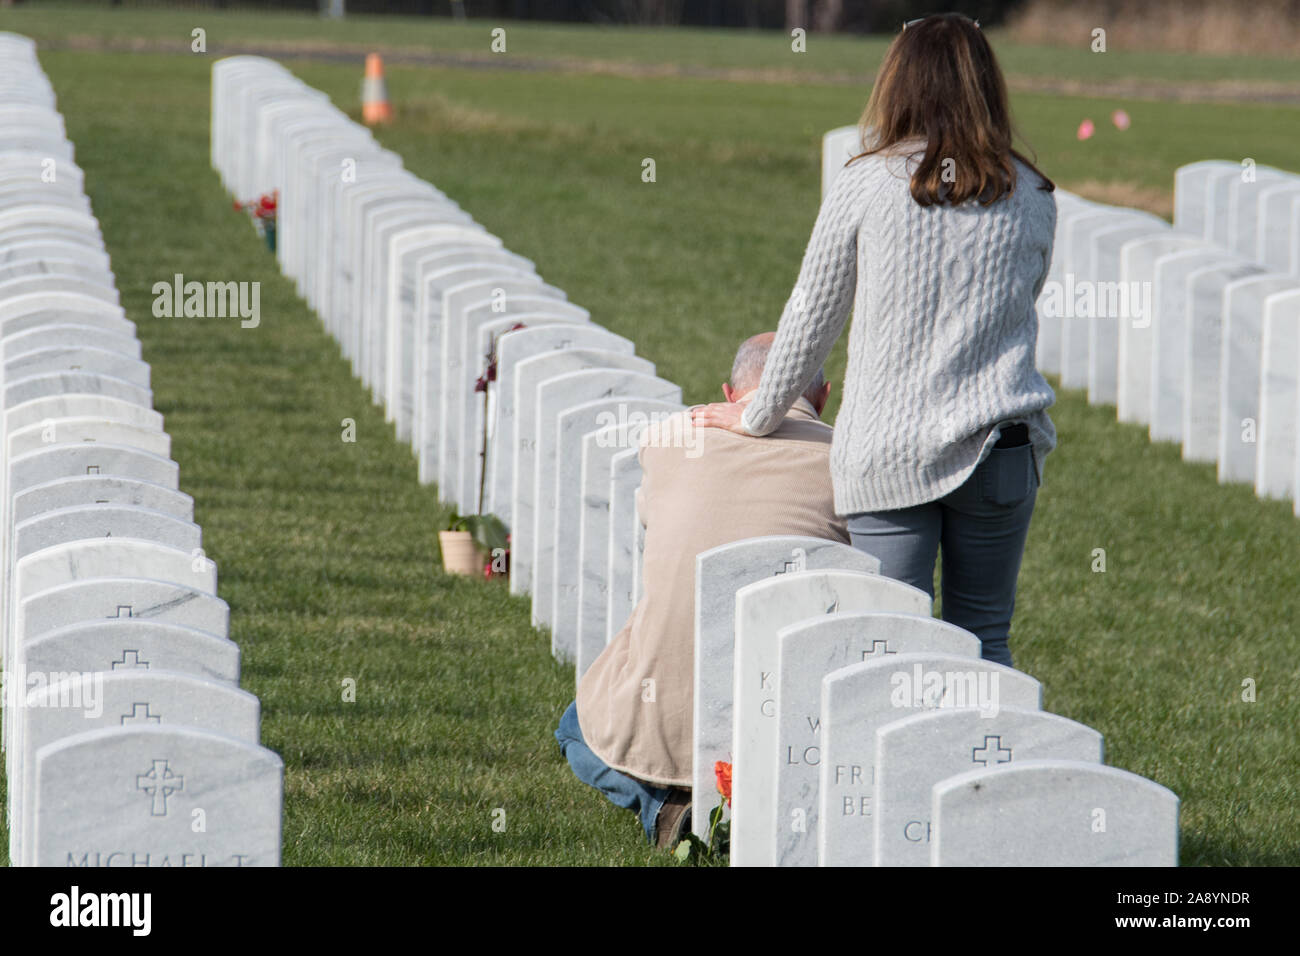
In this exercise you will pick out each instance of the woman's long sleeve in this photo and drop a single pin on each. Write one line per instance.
(818, 308)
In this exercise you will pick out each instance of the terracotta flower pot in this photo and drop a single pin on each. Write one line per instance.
(459, 553)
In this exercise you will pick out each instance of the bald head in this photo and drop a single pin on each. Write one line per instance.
(747, 369)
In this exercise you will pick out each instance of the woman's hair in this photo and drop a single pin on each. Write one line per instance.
(940, 81)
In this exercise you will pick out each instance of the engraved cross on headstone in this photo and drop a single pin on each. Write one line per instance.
(878, 648)
(160, 783)
(120, 609)
(140, 715)
(799, 561)
(991, 752)
(130, 661)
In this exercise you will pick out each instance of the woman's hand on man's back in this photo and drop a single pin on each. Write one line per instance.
(724, 415)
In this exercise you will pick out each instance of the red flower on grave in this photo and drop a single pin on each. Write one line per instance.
(487, 571)
(481, 383)
(722, 770)
(265, 206)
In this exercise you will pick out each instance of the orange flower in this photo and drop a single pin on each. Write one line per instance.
(722, 770)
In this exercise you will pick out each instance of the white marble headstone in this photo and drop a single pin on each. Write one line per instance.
(838, 147)
(1219, 187)
(624, 483)
(103, 521)
(1051, 303)
(1118, 303)
(1170, 329)
(1137, 360)
(1279, 398)
(1053, 813)
(1204, 345)
(1079, 289)
(1244, 197)
(128, 796)
(130, 643)
(101, 489)
(1191, 194)
(70, 431)
(1278, 215)
(1239, 378)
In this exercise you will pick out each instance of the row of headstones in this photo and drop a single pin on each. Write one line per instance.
(127, 738)
(1191, 329)
(862, 731)
(1204, 345)
(424, 301)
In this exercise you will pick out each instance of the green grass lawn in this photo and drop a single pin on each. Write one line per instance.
(327, 550)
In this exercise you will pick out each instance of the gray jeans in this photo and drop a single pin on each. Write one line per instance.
(981, 526)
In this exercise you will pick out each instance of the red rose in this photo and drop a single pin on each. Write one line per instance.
(722, 770)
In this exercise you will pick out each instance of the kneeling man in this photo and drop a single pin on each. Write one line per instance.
(629, 733)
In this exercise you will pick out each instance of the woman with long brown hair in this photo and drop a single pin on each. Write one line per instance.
(937, 237)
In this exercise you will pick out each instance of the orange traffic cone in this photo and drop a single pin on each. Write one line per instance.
(374, 93)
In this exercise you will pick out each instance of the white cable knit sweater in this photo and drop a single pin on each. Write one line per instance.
(941, 350)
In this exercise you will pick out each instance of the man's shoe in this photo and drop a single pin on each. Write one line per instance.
(674, 818)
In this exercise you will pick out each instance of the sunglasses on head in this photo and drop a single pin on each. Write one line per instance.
(909, 23)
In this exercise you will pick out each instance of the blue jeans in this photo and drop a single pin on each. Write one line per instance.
(981, 526)
(623, 791)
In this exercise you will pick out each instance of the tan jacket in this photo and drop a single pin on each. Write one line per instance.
(635, 702)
